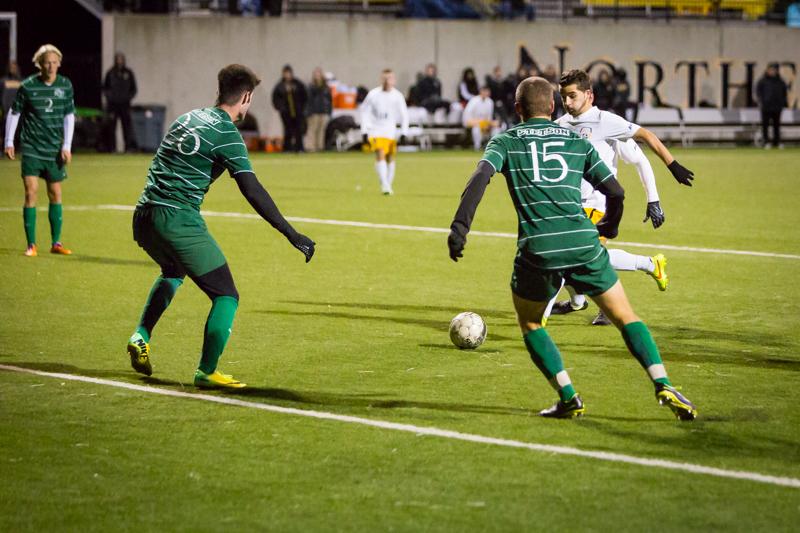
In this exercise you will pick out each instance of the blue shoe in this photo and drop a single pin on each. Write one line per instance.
(681, 407)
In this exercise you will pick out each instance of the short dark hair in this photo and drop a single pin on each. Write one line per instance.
(233, 81)
(535, 97)
(578, 77)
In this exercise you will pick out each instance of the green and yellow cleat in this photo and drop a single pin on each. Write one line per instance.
(216, 380)
(139, 352)
(659, 272)
(681, 407)
(569, 409)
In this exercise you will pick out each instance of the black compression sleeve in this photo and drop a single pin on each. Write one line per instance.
(261, 201)
(471, 197)
(615, 195)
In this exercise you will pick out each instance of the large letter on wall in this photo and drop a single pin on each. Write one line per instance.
(747, 85)
(640, 75)
(692, 66)
(562, 54)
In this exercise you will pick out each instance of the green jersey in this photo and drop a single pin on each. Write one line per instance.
(199, 146)
(43, 108)
(544, 164)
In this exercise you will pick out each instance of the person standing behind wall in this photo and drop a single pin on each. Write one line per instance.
(289, 99)
(318, 110)
(119, 88)
(771, 94)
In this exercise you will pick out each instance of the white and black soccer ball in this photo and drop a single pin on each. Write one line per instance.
(467, 330)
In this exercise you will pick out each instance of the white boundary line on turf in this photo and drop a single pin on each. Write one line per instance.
(426, 229)
(429, 431)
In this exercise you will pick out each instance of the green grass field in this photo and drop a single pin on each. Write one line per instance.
(362, 331)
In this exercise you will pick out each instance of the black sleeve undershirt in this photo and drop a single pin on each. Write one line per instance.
(608, 226)
(471, 197)
(262, 203)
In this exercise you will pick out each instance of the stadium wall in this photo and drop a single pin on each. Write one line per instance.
(176, 58)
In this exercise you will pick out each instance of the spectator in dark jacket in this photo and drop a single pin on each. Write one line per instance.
(468, 88)
(119, 88)
(318, 110)
(603, 90)
(429, 91)
(289, 99)
(771, 92)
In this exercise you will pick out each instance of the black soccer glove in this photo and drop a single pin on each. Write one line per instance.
(456, 243)
(655, 214)
(304, 244)
(365, 139)
(682, 175)
(402, 139)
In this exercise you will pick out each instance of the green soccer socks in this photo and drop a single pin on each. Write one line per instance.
(641, 344)
(54, 214)
(157, 302)
(218, 329)
(29, 221)
(547, 358)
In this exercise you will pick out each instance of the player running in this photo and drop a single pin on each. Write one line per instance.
(382, 109)
(199, 146)
(544, 164)
(614, 137)
(45, 101)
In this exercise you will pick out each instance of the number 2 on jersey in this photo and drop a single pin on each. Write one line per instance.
(537, 176)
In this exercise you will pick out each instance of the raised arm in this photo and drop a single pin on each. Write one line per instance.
(681, 174)
(263, 204)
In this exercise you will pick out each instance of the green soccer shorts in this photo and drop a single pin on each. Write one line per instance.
(51, 171)
(178, 240)
(538, 285)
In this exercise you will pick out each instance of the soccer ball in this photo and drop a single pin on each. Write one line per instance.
(467, 330)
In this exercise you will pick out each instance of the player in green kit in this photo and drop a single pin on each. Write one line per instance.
(199, 146)
(543, 164)
(45, 102)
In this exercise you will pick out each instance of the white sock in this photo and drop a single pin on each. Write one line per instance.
(390, 175)
(383, 171)
(622, 260)
(577, 300)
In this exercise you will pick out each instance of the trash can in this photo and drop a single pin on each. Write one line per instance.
(148, 125)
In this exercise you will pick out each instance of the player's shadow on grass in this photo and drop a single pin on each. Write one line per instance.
(446, 309)
(691, 345)
(365, 401)
(437, 325)
(702, 434)
(112, 261)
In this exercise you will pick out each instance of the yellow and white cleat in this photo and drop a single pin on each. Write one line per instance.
(659, 273)
(216, 380)
(139, 352)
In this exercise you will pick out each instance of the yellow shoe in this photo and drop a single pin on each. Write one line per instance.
(216, 380)
(659, 273)
(139, 351)
(30, 251)
(58, 248)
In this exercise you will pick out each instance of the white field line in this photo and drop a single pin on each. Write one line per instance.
(426, 229)
(429, 431)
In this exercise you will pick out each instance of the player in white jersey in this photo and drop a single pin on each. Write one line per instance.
(614, 138)
(382, 109)
(478, 117)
